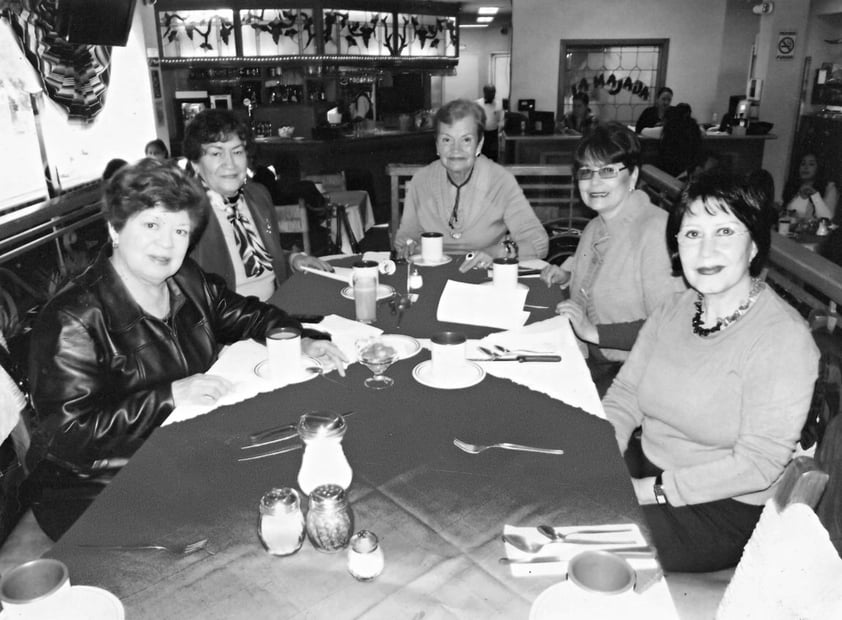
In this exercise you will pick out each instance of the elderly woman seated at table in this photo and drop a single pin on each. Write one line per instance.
(621, 270)
(131, 339)
(468, 198)
(720, 379)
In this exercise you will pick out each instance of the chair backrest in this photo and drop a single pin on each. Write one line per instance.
(789, 568)
(550, 189)
(328, 181)
(292, 219)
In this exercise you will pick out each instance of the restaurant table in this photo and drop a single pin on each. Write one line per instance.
(437, 511)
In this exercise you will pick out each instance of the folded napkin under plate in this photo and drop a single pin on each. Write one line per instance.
(568, 380)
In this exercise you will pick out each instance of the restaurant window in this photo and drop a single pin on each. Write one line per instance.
(621, 77)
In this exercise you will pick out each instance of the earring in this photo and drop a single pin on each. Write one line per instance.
(115, 243)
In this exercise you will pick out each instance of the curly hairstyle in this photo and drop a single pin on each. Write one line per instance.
(214, 125)
(458, 109)
(153, 183)
(608, 143)
(728, 193)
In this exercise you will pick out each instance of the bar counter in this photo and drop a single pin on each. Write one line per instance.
(740, 153)
(357, 156)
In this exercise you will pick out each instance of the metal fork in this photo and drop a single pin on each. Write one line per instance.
(471, 448)
(505, 351)
(176, 549)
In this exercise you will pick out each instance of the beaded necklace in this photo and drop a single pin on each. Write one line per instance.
(721, 323)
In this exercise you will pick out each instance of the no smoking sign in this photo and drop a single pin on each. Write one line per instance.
(786, 45)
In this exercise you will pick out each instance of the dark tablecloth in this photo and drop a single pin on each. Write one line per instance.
(438, 511)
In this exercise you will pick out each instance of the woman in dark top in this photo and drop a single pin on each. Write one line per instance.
(653, 116)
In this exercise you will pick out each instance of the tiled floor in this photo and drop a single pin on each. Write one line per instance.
(26, 542)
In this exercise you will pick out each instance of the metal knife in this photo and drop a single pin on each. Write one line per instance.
(291, 448)
(626, 552)
(520, 358)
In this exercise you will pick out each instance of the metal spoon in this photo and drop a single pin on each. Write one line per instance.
(520, 543)
(554, 536)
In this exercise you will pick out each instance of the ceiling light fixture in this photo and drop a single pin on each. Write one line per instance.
(473, 25)
(484, 20)
(488, 10)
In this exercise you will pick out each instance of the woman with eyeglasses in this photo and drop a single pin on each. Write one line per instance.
(720, 380)
(473, 202)
(621, 270)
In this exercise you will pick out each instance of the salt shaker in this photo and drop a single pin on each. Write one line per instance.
(281, 524)
(324, 460)
(365, 556)
(329, 519)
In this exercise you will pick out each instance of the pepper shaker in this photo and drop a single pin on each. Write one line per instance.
(329, 519)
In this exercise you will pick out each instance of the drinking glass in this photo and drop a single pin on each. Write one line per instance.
(377, 356)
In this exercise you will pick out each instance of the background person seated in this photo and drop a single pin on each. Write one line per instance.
(809, 193)
(579, 120)
(653, 116)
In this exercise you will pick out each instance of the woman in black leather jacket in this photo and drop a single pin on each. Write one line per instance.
(130, 339)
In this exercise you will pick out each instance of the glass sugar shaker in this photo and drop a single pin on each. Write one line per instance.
(365, 556)
(329, 519)
(324, 460)
(281, 523)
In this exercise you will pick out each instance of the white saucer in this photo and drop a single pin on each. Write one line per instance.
(472, 375)
(85, 603)
(567, 600)
(310, 369)
(520, 285)
(383, 291)
(406, 346)
(417, 259)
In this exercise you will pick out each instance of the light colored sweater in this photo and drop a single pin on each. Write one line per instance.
(490, 204)
(621, 271)
(721, 415)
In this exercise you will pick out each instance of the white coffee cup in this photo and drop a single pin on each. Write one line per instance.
(37, 590)
(504, 272)
(284, 348)
(449, 350)
(600, 572)
(432, 246)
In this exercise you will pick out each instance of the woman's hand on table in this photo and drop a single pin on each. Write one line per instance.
(320, 349)
(479, 260)
(644, 488)
(300, 260)
(579, 320)
(553, 274)
(200, 389)
(805, 191)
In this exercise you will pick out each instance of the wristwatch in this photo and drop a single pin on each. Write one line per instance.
(660, 496)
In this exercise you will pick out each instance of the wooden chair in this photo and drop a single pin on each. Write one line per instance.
(328, 182)
(292, 219)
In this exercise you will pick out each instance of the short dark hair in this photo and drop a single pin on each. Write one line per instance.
(158, 144)
(112, 167)
(458, 109)
(662, 90)
(722, 191)
(153, 183)
(215, 125)
(608, 143)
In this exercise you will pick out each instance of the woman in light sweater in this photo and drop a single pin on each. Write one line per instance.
(720, 380)
(470, 200)
(621, 270)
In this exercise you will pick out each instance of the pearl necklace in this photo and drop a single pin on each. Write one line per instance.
(724, 322)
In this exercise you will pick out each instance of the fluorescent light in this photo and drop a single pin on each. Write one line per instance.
(484, 20)
(473, 25)
(488, 10)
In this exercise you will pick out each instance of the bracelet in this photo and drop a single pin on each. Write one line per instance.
(658, 489)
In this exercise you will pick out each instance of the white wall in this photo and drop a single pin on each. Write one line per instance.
(475, 48)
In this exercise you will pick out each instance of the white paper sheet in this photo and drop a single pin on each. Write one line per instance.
(479, 304)
(341, 274)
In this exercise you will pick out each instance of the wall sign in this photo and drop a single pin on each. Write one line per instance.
(786, 46)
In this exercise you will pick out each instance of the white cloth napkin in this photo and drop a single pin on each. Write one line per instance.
(789, 569)
(479, 304)
(377, 257)
(568, 380)
(345, 332)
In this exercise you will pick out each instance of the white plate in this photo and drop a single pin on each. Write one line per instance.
(406, 346)
(383, 291)
(472, 375)
(310, 369)
(567, 600)
(520, 285)
(85, 603)
(417, 259)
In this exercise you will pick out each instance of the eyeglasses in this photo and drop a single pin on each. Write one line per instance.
(606, 172)
(721, 236)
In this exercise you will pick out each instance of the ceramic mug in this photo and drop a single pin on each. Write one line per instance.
(449, 350)
(601, 572)
(284, 349)
(432, 247)
(504, 272)
(37, 590)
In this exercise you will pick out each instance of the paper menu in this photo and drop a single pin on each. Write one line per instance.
(482, 304)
